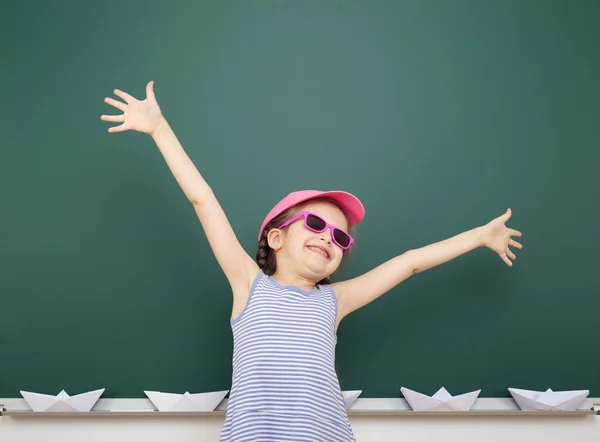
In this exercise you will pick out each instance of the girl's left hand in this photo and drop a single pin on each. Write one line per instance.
(497, 237)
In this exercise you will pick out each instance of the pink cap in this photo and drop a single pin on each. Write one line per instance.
(347, 201)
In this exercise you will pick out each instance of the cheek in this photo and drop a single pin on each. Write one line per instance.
(297, 240)
(301, 236)
(338, 258)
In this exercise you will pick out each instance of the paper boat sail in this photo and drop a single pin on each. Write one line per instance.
(186, 401)
(440, 401)
(350, 396)
(62, 402)
(548, 400)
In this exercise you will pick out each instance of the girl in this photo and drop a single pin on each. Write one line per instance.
(285, 313)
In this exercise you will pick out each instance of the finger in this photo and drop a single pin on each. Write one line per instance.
(120, 128)
(124, 95)
(114, 118)
(510, 254)
(150, 89)
(506, 260)
(514, 243)
(514, 232)
(119, 105)
(507, 214)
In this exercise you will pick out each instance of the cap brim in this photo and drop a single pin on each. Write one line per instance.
(350, 203)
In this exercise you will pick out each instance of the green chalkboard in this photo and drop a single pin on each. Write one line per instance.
(439, 115)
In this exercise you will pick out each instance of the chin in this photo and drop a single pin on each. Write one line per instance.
(316, 270)
(320, 272)
(318, 265)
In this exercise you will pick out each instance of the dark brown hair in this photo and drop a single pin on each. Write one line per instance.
(265, 256)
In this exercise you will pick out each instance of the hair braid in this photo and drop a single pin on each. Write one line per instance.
(265, 257)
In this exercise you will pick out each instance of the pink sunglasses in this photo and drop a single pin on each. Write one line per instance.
(317, 224)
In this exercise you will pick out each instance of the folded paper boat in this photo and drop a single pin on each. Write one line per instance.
(186, 401)
(548, 400)
(440, 401)
(62, 402)
(350, 396)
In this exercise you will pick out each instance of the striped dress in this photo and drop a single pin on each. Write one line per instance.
(284, 385)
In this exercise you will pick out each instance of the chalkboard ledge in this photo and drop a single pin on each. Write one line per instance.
(17, 407)
(351, 413)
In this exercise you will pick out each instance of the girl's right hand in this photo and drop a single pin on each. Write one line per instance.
(143, 116)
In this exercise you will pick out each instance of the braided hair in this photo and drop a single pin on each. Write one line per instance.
(265, 256)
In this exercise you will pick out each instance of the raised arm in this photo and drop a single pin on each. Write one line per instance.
(146, 117)
(358, 292)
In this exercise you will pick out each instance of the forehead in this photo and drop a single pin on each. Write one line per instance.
(329, 212)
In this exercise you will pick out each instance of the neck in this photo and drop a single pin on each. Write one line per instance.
(287, 278)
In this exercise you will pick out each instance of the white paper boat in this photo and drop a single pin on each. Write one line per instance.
(548, 400)
(62, 401)
(350, 396)
(440, 401)
(186, 401)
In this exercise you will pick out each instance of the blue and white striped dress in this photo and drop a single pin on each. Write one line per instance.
(284, 385)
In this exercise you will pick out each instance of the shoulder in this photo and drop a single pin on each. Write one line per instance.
(337, 289)
(329, 290)
(243, 291)
(242, 295)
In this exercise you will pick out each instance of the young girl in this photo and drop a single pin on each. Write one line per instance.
(285, 312)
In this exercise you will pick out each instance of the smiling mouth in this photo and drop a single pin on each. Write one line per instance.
(319, 250)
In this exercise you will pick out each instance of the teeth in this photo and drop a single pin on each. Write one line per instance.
(318, 250)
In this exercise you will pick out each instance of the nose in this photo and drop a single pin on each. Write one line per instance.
(326, 236)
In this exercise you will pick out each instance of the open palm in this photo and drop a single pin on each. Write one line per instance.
(142, 116)
(497, 237)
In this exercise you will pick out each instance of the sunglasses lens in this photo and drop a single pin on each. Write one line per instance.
(315, 223)
(341, 237)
